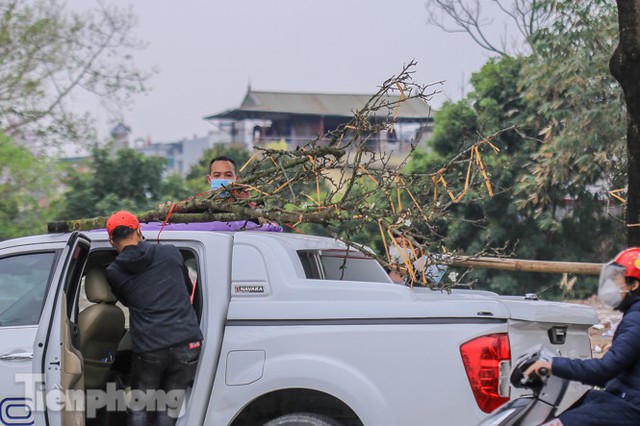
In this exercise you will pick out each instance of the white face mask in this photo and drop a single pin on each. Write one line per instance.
(610, 294)
(610, 288)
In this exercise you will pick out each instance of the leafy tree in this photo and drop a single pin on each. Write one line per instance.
(49, 55)
(578, 111)
(553, 191)
(25, 190)
(506, 221)
(175, 188)
(124, 180)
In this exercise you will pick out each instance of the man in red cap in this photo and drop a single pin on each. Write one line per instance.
(153, 282)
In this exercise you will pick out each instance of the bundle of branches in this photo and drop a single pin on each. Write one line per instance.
(338, 183)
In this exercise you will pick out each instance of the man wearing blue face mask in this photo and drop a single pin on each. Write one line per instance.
(618, 372)
(222, 172)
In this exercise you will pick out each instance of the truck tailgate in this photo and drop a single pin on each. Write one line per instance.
(562, 327)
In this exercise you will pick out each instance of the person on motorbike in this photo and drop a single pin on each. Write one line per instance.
(618, 372)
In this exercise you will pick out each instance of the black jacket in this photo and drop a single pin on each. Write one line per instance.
(152, 281)
(619, 370)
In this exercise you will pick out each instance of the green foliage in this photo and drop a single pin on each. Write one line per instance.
(48, 56)
(453, 134)
(565, 137)
(125, 180)
(25, 190)
(174, 188)
(578, 110)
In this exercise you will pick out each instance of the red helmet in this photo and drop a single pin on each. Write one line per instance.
(629, 259)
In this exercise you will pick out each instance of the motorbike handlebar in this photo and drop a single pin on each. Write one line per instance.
(537, 379)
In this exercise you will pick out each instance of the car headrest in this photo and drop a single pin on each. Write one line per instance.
(96, 286)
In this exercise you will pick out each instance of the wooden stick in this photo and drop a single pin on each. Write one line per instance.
(582, 268)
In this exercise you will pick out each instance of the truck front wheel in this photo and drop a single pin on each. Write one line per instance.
(302, 419)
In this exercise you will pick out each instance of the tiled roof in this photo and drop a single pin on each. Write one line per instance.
(257, 104)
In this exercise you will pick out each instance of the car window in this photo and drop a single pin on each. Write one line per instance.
(191, 262)
(341, 265)
(23, 282)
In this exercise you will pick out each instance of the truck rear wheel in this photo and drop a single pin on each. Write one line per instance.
(302, 419)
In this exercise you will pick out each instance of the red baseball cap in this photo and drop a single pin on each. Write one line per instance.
(122, 218)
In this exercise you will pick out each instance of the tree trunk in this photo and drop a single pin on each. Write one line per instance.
(625, 67)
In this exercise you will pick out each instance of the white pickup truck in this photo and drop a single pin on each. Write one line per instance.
(297, 328)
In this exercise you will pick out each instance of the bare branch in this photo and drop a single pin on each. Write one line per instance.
(468, 16)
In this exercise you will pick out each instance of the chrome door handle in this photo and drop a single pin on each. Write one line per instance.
(21, 356)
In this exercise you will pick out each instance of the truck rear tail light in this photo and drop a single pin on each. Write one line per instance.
(487, 360)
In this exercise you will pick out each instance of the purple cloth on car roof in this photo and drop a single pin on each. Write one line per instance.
(235, 225)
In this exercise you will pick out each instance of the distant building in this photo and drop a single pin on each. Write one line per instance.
(181, 155)
(280, 119)
(120, 136)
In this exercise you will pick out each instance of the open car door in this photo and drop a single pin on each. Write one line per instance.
(57, 361)
(26, 272)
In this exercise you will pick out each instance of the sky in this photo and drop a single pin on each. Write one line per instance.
(208, 52)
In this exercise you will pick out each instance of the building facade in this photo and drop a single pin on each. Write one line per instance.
(290, 120)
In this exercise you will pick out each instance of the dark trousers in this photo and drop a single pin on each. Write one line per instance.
(601, 408)
(158, 382)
